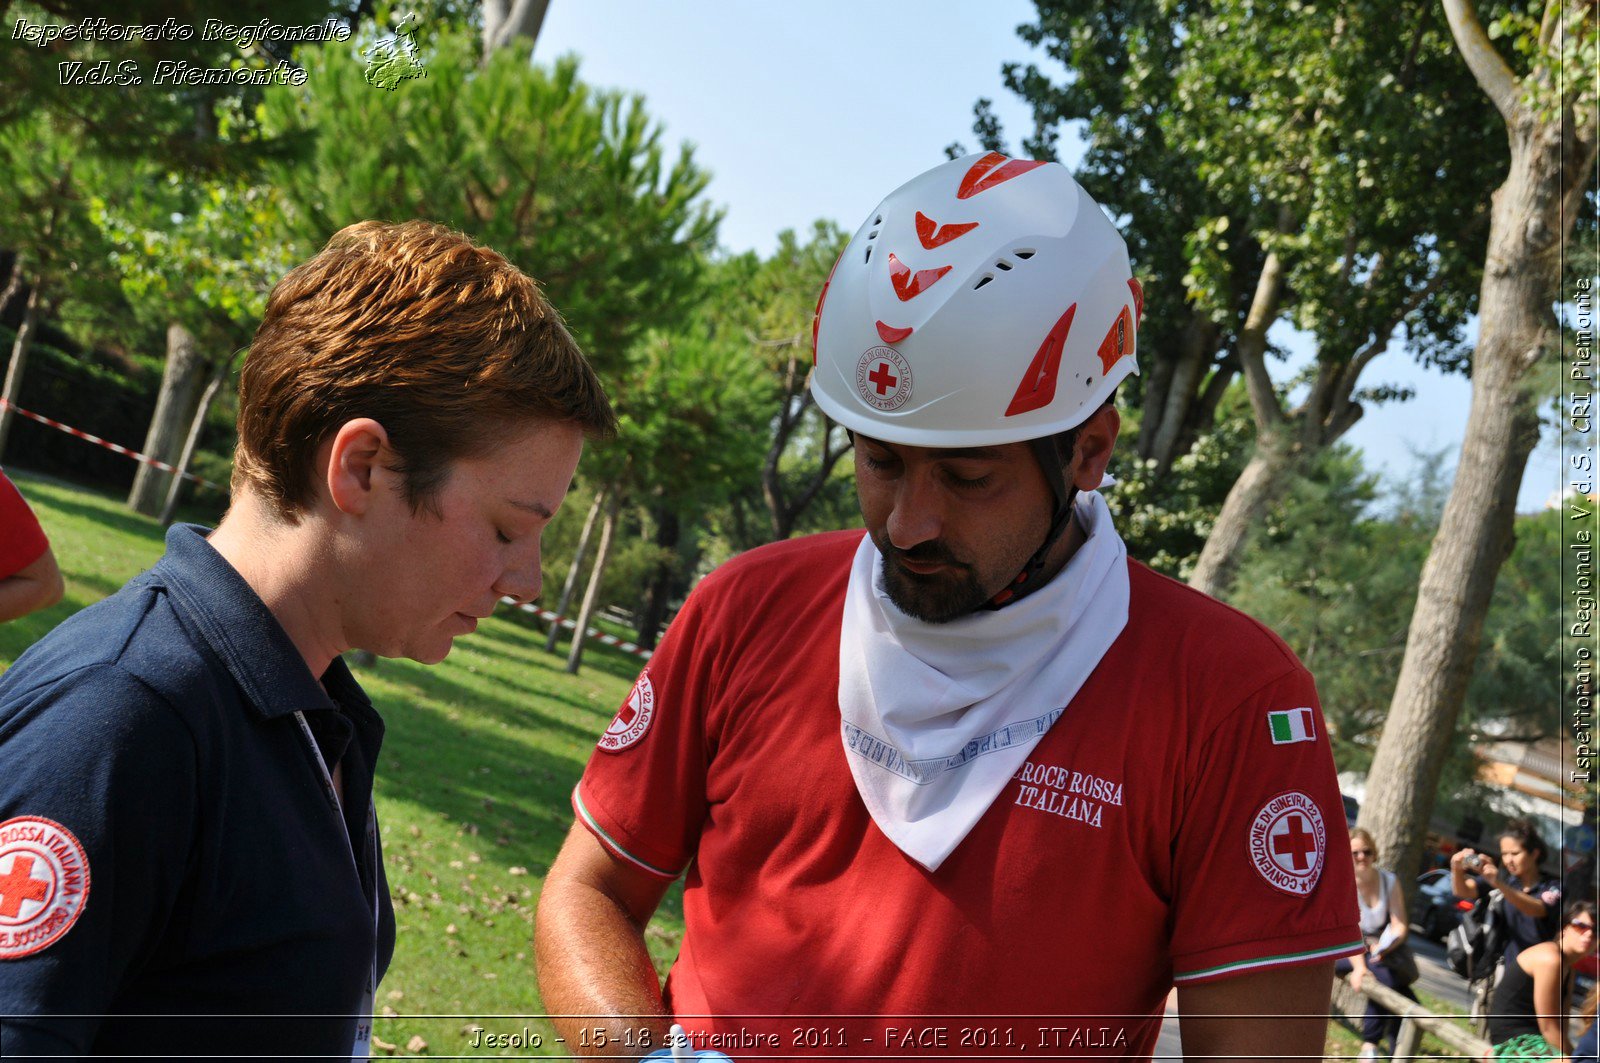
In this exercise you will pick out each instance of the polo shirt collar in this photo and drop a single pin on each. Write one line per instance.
(238, 626)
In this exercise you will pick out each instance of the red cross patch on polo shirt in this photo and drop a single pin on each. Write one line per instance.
(1288, 843)
(44, 884)
(633, 719)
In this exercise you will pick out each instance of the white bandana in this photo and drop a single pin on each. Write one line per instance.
(937, 717)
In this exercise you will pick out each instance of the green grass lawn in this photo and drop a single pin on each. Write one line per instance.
(479, 760)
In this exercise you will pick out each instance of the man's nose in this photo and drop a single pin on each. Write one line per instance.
(918, 513)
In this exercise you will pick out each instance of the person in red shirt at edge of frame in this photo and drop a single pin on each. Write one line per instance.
(30, 579)
(972, 782)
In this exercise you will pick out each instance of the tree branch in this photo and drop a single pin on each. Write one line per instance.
(1252, 344)
(1493, 75)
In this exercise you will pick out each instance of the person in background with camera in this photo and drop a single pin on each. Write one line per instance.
(1532, 903)
(1528, 1019)
(1388, 958)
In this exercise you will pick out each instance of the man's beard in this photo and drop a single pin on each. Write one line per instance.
(936, 598)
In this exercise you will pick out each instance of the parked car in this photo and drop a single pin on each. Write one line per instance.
(1435, 911)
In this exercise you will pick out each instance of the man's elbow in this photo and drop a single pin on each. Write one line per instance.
(53, 590)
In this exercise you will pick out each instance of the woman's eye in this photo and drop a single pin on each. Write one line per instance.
(502, 536)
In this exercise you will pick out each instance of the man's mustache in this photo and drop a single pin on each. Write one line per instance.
(928, 553)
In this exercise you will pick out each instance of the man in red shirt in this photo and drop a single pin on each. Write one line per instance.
(972, 783)
(29, 577)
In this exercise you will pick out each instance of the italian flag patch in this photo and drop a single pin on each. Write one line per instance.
(1290, 726)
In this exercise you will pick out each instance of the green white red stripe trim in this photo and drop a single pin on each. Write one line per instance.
(611, 843)
(1260, 962)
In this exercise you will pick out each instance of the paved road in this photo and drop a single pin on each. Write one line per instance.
(1437, 980)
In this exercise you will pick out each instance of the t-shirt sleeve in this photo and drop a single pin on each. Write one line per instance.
(22, 541)
(643, 793)
(1263, 876)
(97, 806)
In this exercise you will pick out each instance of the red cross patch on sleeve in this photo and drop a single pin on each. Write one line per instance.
(44, 884)
(1288, 843)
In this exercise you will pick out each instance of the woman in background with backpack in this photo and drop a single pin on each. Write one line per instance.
(1383, 925)
(1532, 903)
(1528, 1019)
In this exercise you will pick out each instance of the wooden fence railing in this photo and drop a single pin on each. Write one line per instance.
(1414, 1019)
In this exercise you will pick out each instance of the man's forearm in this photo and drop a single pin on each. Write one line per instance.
(21, 595)
(595, 975)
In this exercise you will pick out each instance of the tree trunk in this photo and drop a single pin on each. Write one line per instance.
(180, 382)
(591, 595)
(218, 376)
(1182, 393)
(504, 20)
(572, 572)
(19, 361)
(1263, 481)
(13, 285)
(669, 531)
(1528, 226)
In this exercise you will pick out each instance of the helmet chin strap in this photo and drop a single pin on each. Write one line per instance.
(1054, 454)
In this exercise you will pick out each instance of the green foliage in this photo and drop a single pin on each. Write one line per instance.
(1337, 580)
(144, 119)
(690, 412)
(570, 183)
(199, 253)
(1164, 519)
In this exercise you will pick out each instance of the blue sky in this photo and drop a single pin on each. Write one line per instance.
(816, 110)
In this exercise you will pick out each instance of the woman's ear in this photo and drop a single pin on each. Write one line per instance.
(354, 453)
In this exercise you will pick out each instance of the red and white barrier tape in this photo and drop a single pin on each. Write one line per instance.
(134, 454)
(609, 640)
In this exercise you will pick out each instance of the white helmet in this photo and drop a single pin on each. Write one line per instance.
(987, 301)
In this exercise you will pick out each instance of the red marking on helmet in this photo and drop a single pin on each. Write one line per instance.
(816, 315)
(1118, 341)
(932, 234)
(993, 169)
(891, 334)
(1038, 385)
(1138, 300)
(908, 285)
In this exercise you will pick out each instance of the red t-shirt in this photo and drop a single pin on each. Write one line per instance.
(1174, 825)
(22, 541)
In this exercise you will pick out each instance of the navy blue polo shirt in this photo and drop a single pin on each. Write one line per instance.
(173, 853)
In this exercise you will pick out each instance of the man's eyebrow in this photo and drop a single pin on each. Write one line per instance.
(968, 452)
(533, 507)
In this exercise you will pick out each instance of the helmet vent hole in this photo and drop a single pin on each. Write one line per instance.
(985, 279)
(873, 235)
(1024, 253)
(878, 220)
(1002, 264)
(869, 254)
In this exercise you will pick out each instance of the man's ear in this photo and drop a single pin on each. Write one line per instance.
(354, 456)
(1096, 438)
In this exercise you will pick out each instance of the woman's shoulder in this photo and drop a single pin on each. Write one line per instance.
(1544, 956)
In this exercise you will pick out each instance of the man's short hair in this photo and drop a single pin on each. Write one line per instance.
(443, 342)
